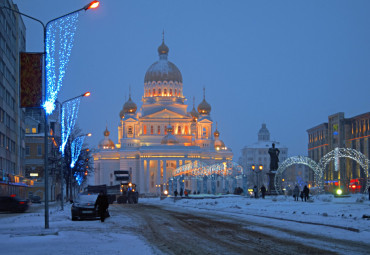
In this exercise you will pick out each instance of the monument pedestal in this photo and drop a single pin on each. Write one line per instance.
(272, 189)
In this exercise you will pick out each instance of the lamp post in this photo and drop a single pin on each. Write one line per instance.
(257, 172)
(77, 142)
(86, 94)
(91, 5)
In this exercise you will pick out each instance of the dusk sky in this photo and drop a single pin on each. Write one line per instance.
(288, 64)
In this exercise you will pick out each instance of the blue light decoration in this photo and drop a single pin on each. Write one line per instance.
(57, 56)
(68, 121)
(76, 149)
(79, 177)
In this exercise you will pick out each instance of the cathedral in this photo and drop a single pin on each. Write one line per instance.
(160, 137)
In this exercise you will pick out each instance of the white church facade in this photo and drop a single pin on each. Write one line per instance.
(160, 137)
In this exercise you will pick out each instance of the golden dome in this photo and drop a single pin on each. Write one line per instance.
(122, 114)
(216, 133)
(204, 108)
(106, 143)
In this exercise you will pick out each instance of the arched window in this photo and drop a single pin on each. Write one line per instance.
(165, 130)
(159, 92)
(129, 130)
(204, 131)
(144, 129)
(154, 93)
(151, 130)
(165, 92)
(175, 92)
(186, 130)
(179, 130)
(159, 130)
(170, 92)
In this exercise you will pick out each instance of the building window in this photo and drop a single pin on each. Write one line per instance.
(151, 130)
(170, 92)
(159, 92)
(144, 129)
(39, 150)
(129, 130)
(179, 130)
(154, 92)
(27, 150)
(165, 130)
(165, 92)
(27, 130)
(159, 130)
(204, 131)
(34, 130)
(175, 92)
(186, 130)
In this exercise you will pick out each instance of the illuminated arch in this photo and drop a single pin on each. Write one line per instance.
(294, 161)
(347, 153)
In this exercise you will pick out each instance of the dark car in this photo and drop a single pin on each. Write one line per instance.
(13, 204)
(83, 207)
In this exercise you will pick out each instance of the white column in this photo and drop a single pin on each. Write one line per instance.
(147, 184)
(164, 174)
(158, 176)
(141, 176)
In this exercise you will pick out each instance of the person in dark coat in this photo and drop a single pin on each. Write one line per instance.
(306, 192)
(255, 190)
(175, 193)
(368, 189)
(296, 193)
(102, 203)
(263, 191)
(181, 192)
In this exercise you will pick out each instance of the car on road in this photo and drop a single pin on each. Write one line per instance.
(13, 203)
(83, 207)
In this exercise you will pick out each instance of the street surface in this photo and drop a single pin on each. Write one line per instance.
(192, 233)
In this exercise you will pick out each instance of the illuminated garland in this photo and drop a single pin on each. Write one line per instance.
(57, 56)
(79, 177)
(76, 149)
(68, 121)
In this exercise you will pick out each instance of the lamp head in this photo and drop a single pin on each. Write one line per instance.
(253, 167)
(87, 94)
(260, 167)
(92, 5)
(89, 134)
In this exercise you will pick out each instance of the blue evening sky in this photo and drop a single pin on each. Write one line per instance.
(288, 64)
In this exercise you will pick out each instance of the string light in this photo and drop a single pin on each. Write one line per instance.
(76, 149)
(69, 116)
(57, 56)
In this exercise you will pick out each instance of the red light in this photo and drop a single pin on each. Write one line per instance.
(335, 183)
(353, 186)
(21, 202)
(12, 195)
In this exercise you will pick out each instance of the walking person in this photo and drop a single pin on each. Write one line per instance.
(255, 190)
(175, 192)
(306, 192)
(263, 191)
(102, 203)
(296, 193)
(181, 192)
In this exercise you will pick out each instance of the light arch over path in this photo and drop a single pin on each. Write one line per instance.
(347, 153)
(294, 161)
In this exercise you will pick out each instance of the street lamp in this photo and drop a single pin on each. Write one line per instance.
(257, 172)
(86, 94)
(49, 105)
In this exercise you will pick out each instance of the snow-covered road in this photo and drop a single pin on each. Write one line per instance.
(223, 225)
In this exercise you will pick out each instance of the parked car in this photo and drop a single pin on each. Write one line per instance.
(83, 207)
(13, 204)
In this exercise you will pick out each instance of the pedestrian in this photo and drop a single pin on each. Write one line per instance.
(306, 192)
(181, 192)
(255, 190)
(368, 189)
(102, 203)
(296, 193)
(175, 192)
(301, 195)
(263, 191)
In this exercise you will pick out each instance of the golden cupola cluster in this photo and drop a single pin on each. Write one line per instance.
(106, 143)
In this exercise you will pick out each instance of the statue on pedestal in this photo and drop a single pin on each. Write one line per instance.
(274, 158)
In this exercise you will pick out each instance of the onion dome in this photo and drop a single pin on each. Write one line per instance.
(204, 108)
(216, 133)
(122, 114)
(169, 139)
(194, 112)
(106, 143)
(219, 144)
(129, 106)
(163, 70)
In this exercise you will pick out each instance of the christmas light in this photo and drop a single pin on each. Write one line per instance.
(68, 121)
(57, 56)
(76, 149)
